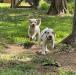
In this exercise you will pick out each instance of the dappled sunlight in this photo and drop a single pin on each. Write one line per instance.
(12, 57)
(12, 14)
(17, 54)
(4, 5)
(5, 57)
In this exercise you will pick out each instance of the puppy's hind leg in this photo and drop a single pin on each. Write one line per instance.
(34, 36)
(46, 49)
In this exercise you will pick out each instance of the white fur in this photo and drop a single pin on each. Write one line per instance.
(33, 31)
(44, 37)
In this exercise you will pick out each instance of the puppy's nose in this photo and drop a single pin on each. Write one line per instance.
(33, 25)
(50, 37)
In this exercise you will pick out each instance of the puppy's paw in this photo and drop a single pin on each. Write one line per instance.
(47, 51)
(43, 52)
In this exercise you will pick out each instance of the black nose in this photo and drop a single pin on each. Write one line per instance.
(33, 25)
(50, 37)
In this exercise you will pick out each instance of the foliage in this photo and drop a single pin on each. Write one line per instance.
(44, 6)
(71, 6)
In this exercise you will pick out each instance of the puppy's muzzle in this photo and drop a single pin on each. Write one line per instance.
(49, 38)
(33, 25)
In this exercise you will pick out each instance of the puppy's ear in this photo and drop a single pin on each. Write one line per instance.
(30, 21)
(39, 21)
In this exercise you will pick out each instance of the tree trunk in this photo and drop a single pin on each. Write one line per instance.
(57, 7)
(71, 39)
(12, 3)
(1, 1)
(35, 3)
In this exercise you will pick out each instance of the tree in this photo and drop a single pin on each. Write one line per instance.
(12, 3)
(57, 7)
(1, 1)
(35, 3)
(71, 39)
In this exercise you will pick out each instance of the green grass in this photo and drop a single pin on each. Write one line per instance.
(14, 24)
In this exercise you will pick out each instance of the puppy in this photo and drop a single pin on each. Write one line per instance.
(34, 29)
(47, 36)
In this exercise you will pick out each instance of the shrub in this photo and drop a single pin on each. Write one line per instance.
(44, 6)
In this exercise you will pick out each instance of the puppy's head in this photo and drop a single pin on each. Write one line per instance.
(34, 22)
(49, 33)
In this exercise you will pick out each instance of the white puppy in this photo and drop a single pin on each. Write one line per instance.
(47, 36)
(34, 29)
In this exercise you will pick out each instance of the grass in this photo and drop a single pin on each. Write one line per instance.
(14, 24)
(13, 29)
(33, 67)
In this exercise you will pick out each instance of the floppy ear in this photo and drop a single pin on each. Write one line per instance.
(29, 19)
(39, 21)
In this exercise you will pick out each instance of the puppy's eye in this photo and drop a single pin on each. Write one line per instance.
(45, 32)
(53, 32)
(35, 22)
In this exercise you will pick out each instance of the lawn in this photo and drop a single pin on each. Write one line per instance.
(13, 30)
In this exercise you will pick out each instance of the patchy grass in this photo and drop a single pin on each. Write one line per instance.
(33, 67)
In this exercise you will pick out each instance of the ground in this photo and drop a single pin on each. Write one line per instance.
(66, 59)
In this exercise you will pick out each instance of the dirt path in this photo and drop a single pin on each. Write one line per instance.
(67, 60)
(13, 49)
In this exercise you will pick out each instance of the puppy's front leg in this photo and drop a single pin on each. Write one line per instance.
(43, 49)
(33, 36)
(46, 48)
